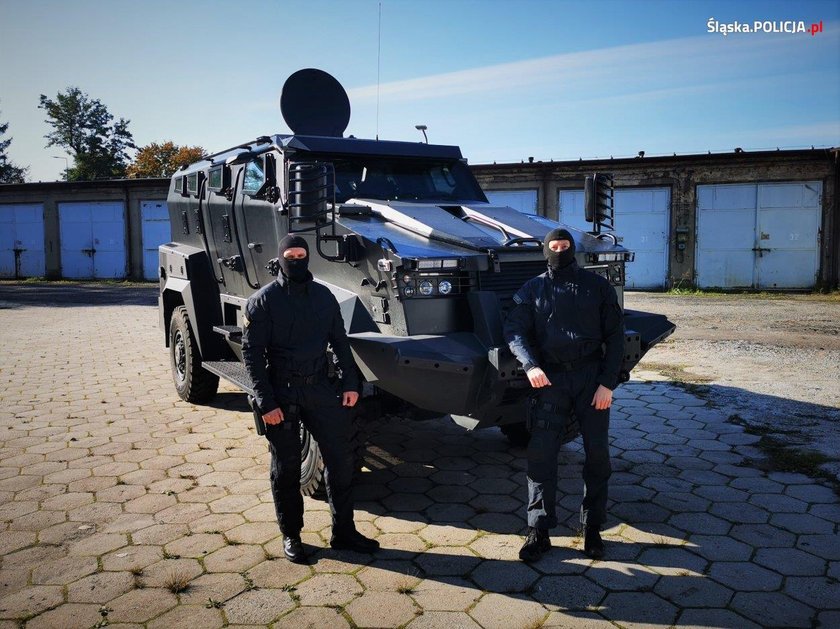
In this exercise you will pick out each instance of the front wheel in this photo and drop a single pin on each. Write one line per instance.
(193, 383)
(312, 461)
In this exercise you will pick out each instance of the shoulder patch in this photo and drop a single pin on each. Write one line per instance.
(517, 299)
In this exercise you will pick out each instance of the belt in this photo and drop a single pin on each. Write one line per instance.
(571, 365)
(298, 380)
(550, 408)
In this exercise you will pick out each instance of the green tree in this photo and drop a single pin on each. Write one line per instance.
(161, 160)
(9, 172)
(83, 126)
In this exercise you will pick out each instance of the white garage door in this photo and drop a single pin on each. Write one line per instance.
(22, 240)
(641, 223)
(523, 200)
(155, 217)
(92, 240)
(758, 235)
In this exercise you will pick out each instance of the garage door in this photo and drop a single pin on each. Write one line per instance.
(22, 240)
(523, 200)
(92, 240)
(155, 217)
(758, 235)
(641, 221)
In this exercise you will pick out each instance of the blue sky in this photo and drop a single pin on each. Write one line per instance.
(505, 80)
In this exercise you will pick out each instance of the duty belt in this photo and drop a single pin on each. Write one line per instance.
(298, 380)
(571, 365)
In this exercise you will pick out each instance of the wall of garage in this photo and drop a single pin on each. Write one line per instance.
(81, 230)
(764, 219)
(743, 219)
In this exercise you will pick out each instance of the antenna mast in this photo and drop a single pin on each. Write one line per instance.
(378, 65)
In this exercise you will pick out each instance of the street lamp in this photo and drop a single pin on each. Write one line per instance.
(66, 164)
(422, 127)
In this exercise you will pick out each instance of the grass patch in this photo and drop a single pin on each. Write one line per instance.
(679, 375)
(406, 587)
(213, 604)
(177, 582)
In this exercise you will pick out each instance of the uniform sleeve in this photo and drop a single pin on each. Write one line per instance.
(519, 329)
(612, 332)
(256, 337)
(341, 346)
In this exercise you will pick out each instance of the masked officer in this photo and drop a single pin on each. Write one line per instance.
(566, 328)
(284, 341)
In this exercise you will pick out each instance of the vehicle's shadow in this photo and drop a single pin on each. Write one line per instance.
(76, 295)
(448, 508)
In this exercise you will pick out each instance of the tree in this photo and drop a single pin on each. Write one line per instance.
(9, 172)
(161, 160)
(85, 127)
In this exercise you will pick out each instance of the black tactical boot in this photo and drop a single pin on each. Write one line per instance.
(593, 545)
(293, 549)
(535, 544)
(353, 540)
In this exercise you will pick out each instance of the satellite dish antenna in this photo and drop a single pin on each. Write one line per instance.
(314, 103)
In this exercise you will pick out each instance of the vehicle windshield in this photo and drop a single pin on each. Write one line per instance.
(400, 179)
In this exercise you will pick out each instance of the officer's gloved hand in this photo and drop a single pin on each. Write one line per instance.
(537, 378)
(272, 418)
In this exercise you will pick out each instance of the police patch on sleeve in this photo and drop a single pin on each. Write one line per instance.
(517, 299)
(245, 321)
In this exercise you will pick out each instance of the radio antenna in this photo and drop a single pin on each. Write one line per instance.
(378, 65)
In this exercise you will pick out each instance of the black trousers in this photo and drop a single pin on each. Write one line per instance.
(328, 422)
(571, 392)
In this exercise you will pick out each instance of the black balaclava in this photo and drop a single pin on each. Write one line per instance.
(563, 258)
(294, 270)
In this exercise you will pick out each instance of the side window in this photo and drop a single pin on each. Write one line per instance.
(254, 177)
(443, 179)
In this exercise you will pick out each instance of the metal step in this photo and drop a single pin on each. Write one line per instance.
(232, 333)
(233, 372)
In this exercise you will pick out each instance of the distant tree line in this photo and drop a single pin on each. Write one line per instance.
(99, 144)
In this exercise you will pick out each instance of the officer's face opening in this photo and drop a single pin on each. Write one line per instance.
(294, 253)
(559, 245)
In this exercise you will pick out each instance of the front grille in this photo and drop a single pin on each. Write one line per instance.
(509, 279)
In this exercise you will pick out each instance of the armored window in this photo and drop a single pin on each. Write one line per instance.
(179, 185)
(215, 179)
(254, 176)
(192, 183)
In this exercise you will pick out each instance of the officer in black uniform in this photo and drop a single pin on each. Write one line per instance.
(286, 330)
(566, 328)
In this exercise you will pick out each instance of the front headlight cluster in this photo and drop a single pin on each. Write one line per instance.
(412, 285)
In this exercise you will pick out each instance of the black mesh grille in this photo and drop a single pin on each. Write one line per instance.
(510, 279)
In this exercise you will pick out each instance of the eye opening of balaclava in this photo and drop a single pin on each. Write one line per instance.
(294, 270)
(559, 259)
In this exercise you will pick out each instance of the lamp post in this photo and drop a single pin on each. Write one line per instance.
(66, 164)
(422, 127)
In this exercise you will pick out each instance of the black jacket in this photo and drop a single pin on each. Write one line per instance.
(561, 316)
(286, 333)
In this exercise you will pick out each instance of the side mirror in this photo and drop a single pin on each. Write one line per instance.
(311, 194)
(589, 199)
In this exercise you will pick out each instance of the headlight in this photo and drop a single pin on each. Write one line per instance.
(426, 287)
(408, 291)
(445, 287)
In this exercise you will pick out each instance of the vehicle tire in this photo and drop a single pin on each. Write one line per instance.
(193, 383)
(517, 434)
(312, 461)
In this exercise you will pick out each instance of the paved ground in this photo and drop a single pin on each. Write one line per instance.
(113, 493)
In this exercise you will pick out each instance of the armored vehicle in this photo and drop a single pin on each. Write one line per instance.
(423, 266)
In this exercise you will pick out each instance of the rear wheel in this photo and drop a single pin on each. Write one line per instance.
(193, 383)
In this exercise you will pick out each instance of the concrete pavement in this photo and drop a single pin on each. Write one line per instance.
(122, 505)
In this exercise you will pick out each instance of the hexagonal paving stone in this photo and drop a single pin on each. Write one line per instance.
(141, 605)
(763, 535)
(217, 586)
(445, 594)
(503, 611)
(408, 524)
(812, 493)
(567, 592)
(499, 547)
(381, 609)
(389, 575)
(328, 589)
(258, 607)
(159, 534)
(160, 574)
(68, 615)
(614, 575)
(30, 600)
(198, 545)
(744, 576)
(448, 534)
(189, 617)
(508, 577)
(444, 620)
(825, 546)
(818, 592)
(705, 618)
(637, 609)
(702, 523)
(447, 561)
(790, 562)
(802, 523)
(131, 558)
(100, 588)
(312, 618)
(772, 609)
(98, 544)
(278, 573)
(673, 561)
(693, 591)
(719, 548)
(234, 558)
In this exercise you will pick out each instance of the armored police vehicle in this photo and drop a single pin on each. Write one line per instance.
(423, 266)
